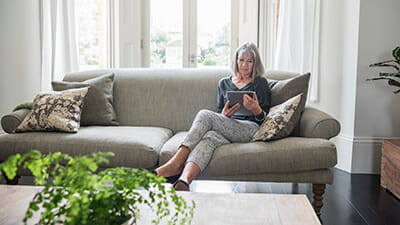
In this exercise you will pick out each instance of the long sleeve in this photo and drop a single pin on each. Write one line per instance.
(220, 97)
(259, 85)
(263, 94)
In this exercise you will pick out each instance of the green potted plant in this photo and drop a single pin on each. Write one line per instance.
(75, 192)
(392, 78)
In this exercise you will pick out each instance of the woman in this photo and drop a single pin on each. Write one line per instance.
(211, 130)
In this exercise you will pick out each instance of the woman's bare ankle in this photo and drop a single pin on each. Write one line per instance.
(169, 169)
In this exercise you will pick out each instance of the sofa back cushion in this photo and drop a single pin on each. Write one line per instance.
(167, 98)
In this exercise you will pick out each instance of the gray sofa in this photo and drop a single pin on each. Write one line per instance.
(155, 108)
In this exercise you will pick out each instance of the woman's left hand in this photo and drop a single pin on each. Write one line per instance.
(251, 103)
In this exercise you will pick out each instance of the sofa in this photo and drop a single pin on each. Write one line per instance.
(155, 108)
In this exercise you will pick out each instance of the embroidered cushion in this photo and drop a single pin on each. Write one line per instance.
(55, 111)
(277, 120)
(98, 104)
(283, 90)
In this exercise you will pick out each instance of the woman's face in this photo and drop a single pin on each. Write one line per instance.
(245, 64)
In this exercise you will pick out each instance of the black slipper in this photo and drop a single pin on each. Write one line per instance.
(183, 182)
(171, 179)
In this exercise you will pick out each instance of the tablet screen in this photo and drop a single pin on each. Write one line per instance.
(237, 97)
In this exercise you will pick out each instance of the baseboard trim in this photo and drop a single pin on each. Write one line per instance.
(360, 154)
(355, 139)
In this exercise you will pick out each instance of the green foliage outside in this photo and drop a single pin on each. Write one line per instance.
(393, 79)
(75, 193)
(159, 41)
(216, 53)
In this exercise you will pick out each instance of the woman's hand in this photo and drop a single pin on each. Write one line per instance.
(251, 103)
(226, 111)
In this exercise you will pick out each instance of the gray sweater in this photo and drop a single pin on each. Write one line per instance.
(259, 85)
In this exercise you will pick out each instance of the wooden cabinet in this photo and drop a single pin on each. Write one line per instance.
(390, 170)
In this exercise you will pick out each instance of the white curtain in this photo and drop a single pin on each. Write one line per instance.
(58, 40)
(297, 40)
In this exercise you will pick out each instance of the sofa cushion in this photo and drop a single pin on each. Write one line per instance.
(160, 97)
(291, 154)
(284, 155)
(98, 105)
(277, 123)
(171, 147)
(55, 111)
(282, 90)
(133, 146)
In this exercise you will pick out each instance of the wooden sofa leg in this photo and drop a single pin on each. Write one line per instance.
(12, 181)
(318, 191)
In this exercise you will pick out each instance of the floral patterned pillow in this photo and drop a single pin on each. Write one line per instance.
(55, 111)
(274, 125)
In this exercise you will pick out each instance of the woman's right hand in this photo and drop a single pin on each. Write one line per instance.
(229, 111)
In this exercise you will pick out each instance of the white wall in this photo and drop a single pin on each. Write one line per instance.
(20, 53)
(379, 34)
(338, 65)
(354, 34)
(377, 109)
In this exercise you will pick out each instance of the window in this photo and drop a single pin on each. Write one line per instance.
(92, 34)
(155, 33)
(190, 33)
(166, 30)
(213, 34)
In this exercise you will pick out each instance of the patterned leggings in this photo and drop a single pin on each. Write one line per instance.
(211, 130)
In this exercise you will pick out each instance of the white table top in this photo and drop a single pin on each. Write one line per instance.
(211, 208)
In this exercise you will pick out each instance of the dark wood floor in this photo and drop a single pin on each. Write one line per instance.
(350, 200)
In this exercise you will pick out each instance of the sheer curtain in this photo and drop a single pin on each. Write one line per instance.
(58, 40)
(297, 41)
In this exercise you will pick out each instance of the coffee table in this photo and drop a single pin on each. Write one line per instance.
(211, 208)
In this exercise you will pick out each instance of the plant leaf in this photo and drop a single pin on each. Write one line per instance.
(376, 78)
(386, 64)
(390, 74)
(396, 53)
(383, 62)
(82, 196)
(10, 166)
(393, 82)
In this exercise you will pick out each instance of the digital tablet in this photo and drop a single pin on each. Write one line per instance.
(237, 97)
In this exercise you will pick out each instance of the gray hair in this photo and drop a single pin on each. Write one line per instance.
(248, 48)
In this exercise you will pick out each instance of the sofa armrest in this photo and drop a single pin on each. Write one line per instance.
(11, 121)
(317, 124)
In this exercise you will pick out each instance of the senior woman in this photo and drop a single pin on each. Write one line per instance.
(213, 129)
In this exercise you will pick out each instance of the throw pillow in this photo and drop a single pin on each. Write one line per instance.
(98, 105)
(283, 90)
(276, 123)
(55, 111)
